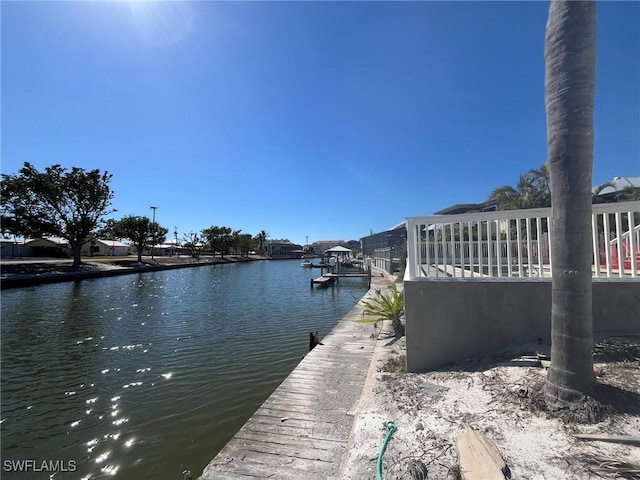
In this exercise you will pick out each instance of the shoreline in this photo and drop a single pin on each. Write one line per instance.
(32, 272)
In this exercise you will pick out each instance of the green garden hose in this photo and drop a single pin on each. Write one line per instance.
(391, 427)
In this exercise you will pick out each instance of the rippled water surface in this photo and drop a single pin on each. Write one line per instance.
(142, 376)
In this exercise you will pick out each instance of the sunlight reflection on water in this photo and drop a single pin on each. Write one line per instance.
(84, 379)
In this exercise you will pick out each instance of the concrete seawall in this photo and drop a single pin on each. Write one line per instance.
(451, 319)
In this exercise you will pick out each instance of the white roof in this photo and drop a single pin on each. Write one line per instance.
(112, 243)
(56, 240)
(338, 249)
(619, 183)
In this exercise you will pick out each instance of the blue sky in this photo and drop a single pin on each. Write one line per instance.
(327, 120)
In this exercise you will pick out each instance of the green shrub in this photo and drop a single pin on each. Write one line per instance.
(387, 305)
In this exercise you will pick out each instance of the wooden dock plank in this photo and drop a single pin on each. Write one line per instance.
(301, 452)
(258, 443)
(255, 465)
(309, 442)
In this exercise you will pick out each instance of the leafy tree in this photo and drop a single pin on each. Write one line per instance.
(387, 305)
(570, 61)
(141, 231)
(245, 243)
(194, 243)
(69, 204)
(218, 239)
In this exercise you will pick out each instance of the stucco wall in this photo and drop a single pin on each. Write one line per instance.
(451, 319)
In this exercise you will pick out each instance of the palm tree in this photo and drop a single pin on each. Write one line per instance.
(570, 61)
(515, 198)
(387, 305)
(532, 191)
(541, 180)
(262, 238)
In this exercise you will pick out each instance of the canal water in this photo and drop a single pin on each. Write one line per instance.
(143, 376)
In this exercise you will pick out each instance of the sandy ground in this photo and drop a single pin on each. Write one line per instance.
(500, 396)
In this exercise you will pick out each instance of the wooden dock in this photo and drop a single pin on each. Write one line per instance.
(302, 430)
(329, 278)
(323, 281)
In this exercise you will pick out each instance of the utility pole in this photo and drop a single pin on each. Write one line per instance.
(153, 226)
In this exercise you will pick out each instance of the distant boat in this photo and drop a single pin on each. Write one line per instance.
(306, 264)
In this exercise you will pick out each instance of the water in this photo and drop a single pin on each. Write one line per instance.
(142, 376)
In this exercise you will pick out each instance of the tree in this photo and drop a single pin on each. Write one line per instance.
(234, 241)
(219, 239)
(66, 203)
(261, 238)
(532, 191)
(141, 231)
(194, 244)
(570, 60)
(246, 243)
(541, 180)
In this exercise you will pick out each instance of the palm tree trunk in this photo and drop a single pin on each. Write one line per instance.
(570, 55)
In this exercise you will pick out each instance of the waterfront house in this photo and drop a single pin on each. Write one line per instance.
(282, 249)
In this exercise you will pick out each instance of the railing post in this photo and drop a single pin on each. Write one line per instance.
(596, 246)
(619, 246)
(607, 243)
(412, 243)
(634, 248)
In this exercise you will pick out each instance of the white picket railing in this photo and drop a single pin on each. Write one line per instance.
(515, 243)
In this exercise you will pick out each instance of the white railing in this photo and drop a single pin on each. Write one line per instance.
(382, 258)
(515, 243)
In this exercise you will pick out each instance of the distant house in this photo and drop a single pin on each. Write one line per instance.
(611, 190)
(460, 208)
(13, 248)
(283, 249)
(320, 246)
(55, 247)
(393, 238)
(166, 249)
(105, 248)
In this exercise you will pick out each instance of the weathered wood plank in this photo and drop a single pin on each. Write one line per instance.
(314, 443)
(248, 442)
(271, 420)
(265, 466)
(292, 433)
(479, 457)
